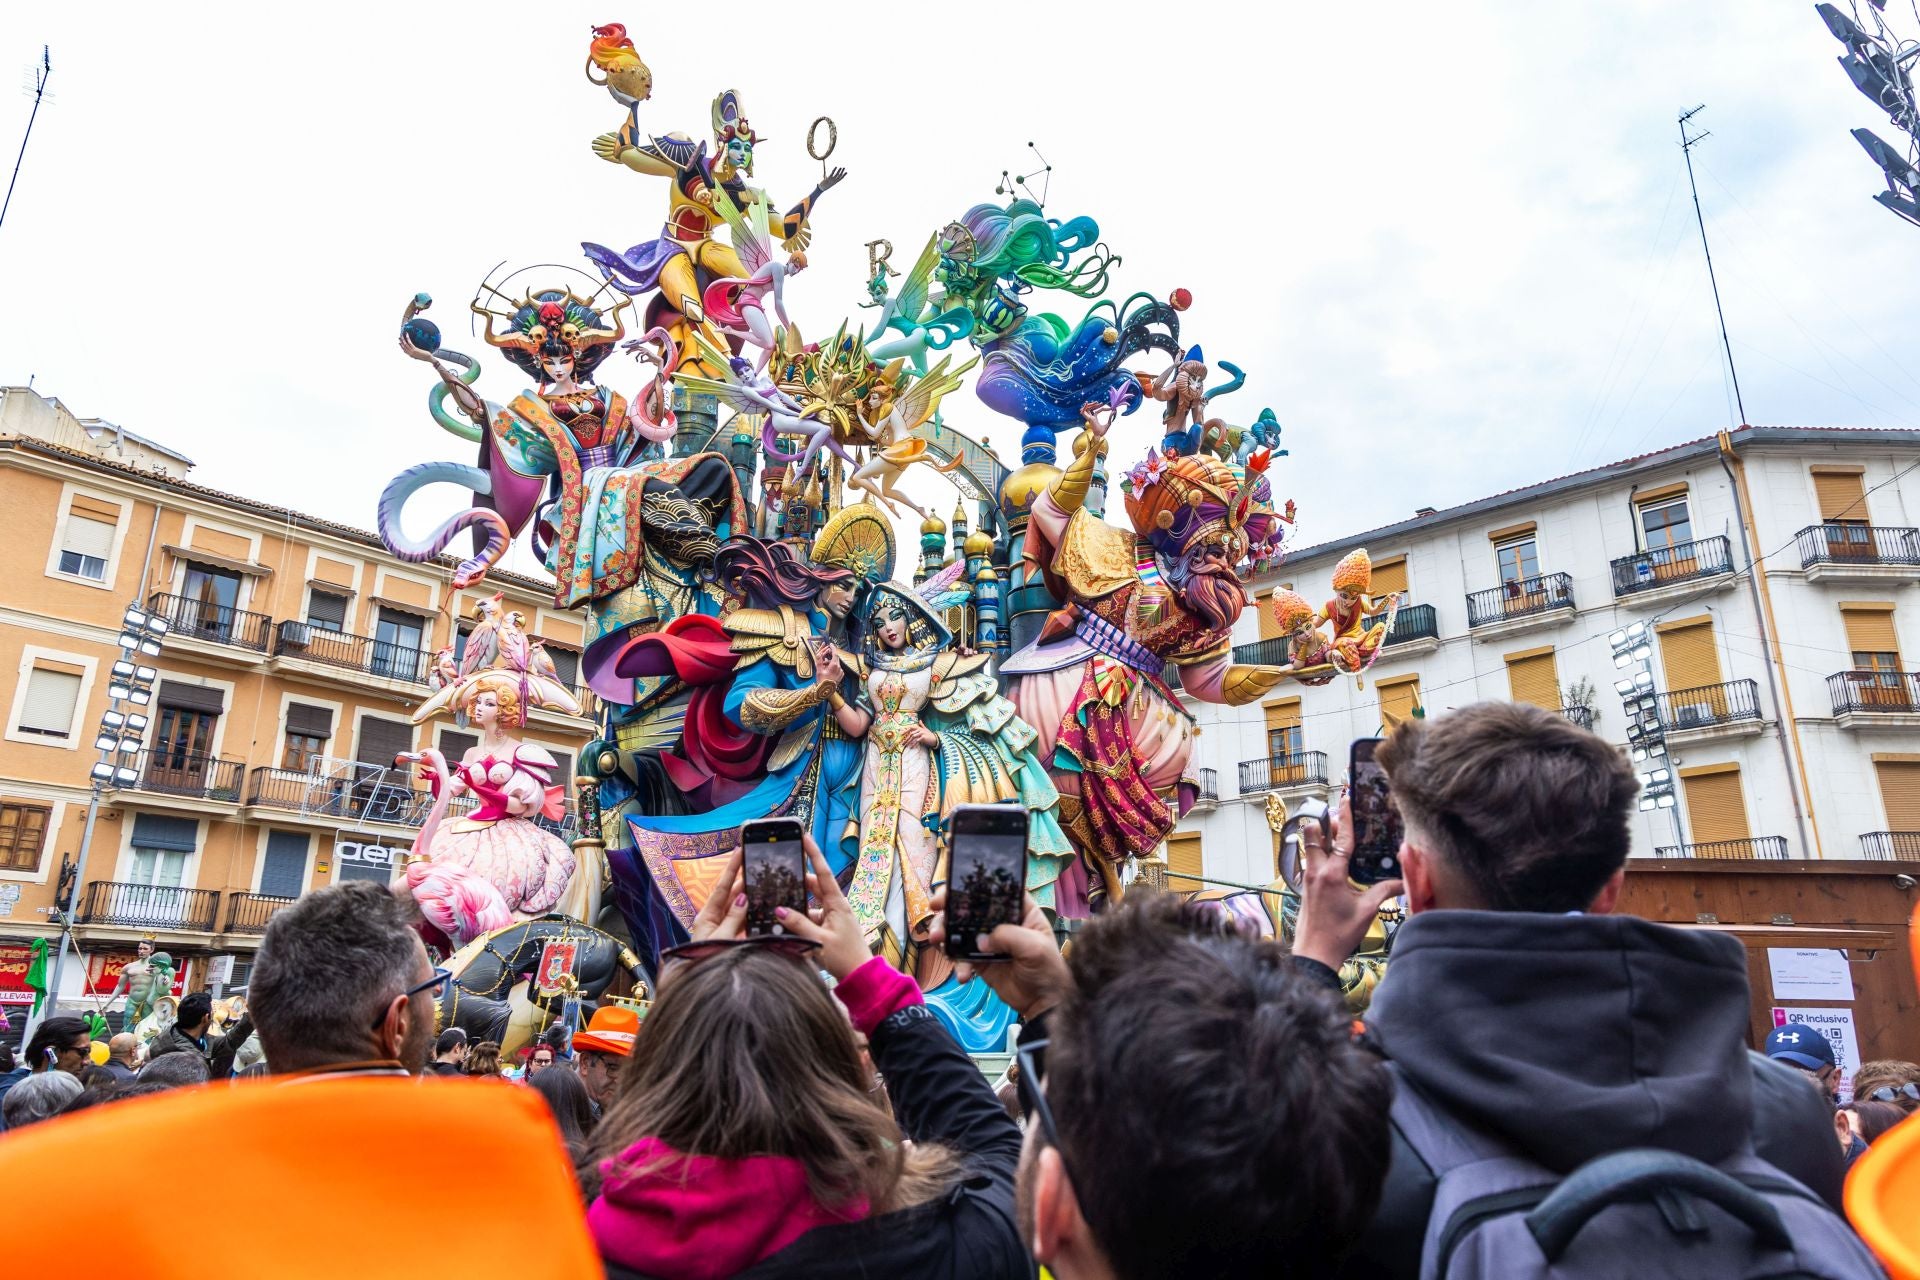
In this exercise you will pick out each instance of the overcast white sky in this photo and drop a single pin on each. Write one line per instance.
(1451, 244)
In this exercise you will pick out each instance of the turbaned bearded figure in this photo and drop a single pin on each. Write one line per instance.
(1163, 594)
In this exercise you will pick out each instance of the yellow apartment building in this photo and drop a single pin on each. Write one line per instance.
(296, 650)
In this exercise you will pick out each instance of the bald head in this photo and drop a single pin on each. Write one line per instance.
(120, 1049)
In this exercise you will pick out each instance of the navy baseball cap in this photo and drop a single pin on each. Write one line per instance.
(1800, 1045)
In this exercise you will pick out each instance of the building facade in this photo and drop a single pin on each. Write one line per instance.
(1789, 715)
(295, 651)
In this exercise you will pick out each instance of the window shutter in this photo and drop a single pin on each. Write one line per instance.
(158, 831)
(1390, 575)
(1184, 861)
(51, 697)
(1870, 630)
(454, 745)
(1534, 677)
(285, 864)
(1263, 614)
(567, 663)
(191, 697)
(1689, 655)
(1716, 806)
(94, 509)
(381, 740)
(1397, 701)
(1283, 714)
(88, 537)
(326, 610)
(1900, 793)
(310, 721)
(23, 834)
(1841, 496)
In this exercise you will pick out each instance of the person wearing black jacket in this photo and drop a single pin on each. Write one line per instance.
(188, 1034)
(1516, 1002)
(745, 1137)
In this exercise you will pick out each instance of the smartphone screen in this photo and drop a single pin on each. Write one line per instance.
(1377, 831)
(986, 874)
(775, 866)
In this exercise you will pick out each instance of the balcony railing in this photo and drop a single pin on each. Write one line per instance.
(1681, 562)
(369, 794)
(295, 639)
(1857, 544)
(148, 906)
(1891, 846)
(1582, 716)
(1209, 784)
(1874, 692)
(1710, 705)
(1520, 598)
(1414, 622)
(187, 773)
(1761, 848)
(202, 620)
(1302, 768)
(250, 912)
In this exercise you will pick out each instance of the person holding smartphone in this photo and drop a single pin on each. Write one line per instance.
(745, 1132)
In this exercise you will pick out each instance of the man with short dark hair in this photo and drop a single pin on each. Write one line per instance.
(188, 1034)
(1517, 1005)
(174, 1070)
(59, 1044)
(450, 1053)
(342, 984)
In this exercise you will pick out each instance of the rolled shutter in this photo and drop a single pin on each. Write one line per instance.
(1841, 496)
(1870, 630)
(1282, 715)
(51, 697)
(94, 509)
(563, 771)
(309, 721)
(1716, 807)
(1263, 613)
(382, 740)
(1900, 793)
(1689, 655)
(454, 745)
(1534, 677)
(285, 865)
(1397, 701)
(1184, 862)
(88, 537)
(1390, 575)
(158, 831)
(192, 697)
(324, 609)
(567, 663)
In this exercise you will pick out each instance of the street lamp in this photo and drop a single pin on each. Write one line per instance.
(118, 740)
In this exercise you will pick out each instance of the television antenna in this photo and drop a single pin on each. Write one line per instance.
(1687, 144)
(41, 73)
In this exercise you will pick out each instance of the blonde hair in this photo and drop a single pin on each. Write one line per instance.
(505, 690)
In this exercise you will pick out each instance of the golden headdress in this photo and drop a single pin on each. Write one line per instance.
(858, 538)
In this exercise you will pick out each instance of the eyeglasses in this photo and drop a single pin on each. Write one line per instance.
(1893, 1093)
(781, 944)
(436, 984)
(1032, 1059)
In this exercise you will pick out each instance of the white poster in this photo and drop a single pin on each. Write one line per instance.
(1810, 973)
(1837, 1026)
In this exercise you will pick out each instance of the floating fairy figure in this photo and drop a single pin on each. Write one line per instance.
(739, 306)
(910, 324)
(895, 446)
(745, 389)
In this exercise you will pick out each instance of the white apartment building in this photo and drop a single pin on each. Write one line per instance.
(1790, 718)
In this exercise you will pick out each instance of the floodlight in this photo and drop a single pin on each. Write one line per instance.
(134, 618)
(136, 722)
(1656, 748)
(1900, 173)
(159, 626)
(1870, 76)
(128, 640)
(1659, 777)
(140, 697)
(1643, 680)
(1623, 687)
(1906, 208)
(1635, 733)
(1621, 658)
(1642, 653)
(1646, 804)
(106, 742)
(151, 648)
(1617, 638)
(146, 675)
(1844, 29)
(1637, 631)
(119, 692)
(122, 670)
(113, 719)
(1666, 801)
(125, 776)
(102, 772)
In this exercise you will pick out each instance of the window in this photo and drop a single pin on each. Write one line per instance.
(161, 847)
(52, 697)
(461, 630)
(397, 639)
(454, 745)
(211, 597)
(1184, 860)
(1532, 676)
(1842, 496)
(1666, 523)
(284, 870)
(1284, 740)
(326, 611)
(1389, 576)
(86, 546)
(23, 834)
(1876, 652)
(1717, 808)
(309, 728)
(567, 663)
(1519, 560)
(1398, 699)
(1899, 778)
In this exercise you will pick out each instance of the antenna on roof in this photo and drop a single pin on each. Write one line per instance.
(40, 75)
(1687, 144)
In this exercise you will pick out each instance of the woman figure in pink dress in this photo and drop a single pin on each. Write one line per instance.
(484, 870)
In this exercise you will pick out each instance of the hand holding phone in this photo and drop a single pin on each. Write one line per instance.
(774, 864)
(986, 875)
(1377, 829)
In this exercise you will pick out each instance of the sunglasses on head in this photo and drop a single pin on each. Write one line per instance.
(781, 944)
(1893, 1093)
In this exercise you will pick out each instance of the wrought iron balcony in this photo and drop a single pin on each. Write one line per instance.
(1710, 705)
(1663, 566)
(148, 906)
(1209, 780)
(1857, 544)
(1891, 846)
(1302, 768)
(1520, 598)
(190, 619)
(1582, 716)
(188, 773)
(251, 912)
(1760, 848)
(354, 793)
(292, 639)
(1414, 622)
(1874, 692)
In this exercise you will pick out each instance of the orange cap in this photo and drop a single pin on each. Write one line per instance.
(611, 1030)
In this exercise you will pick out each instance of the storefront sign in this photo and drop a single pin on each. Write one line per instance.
(103, 971)
(364, 857)
(1810, 973)
(14, 959)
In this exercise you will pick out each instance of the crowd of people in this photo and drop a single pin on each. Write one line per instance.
(1187, 1100)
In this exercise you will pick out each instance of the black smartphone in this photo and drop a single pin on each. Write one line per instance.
(1377, 831)
(986, 874)
(775, 865)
